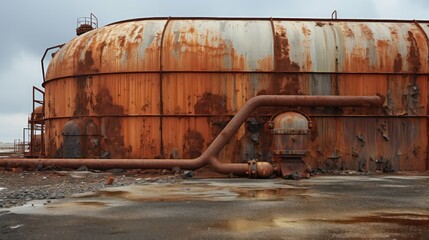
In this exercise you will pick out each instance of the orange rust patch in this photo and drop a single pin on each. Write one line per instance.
(281, 52)
(305, 31)
(398, 63)
(121, 40)
(367, 31)
(87, 64)
(414, 53)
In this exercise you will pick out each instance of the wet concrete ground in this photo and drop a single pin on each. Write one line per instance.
(324, 207)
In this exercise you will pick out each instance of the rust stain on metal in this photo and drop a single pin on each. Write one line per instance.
(217, 124)
(211, 104)
(104, 104)
(281, 52)
(320, 24)
(367, 31)
(82, 100)
(113, 141)
(398, 63)
(87, 64)
(414, 53)
(282, 62)
(194, 144)
(306, 31)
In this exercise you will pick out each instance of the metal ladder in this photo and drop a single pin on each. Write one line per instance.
(36, 126)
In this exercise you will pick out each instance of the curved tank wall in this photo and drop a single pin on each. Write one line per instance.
(165, 87)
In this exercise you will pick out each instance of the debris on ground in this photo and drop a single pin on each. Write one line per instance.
(18, 186)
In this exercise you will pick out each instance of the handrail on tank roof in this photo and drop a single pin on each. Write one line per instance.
(43, 59)
(92, 21)
(274, 19)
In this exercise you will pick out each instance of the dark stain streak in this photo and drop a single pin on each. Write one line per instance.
(121, 40)
(255, 143)
(211, 104)
(283, 63)
(104, 104)
(113, 135)
(82, 100)
(414, 53)
(194, 144)
(86, 66)
(281, 51)
(320, 24)
(101, 46)
(217, 124)
(398, 63)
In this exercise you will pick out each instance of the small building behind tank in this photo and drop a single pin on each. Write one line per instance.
(166, 87)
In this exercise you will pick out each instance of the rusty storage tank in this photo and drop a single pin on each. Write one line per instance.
(165, 87)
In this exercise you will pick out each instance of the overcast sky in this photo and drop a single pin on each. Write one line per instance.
(29, 27)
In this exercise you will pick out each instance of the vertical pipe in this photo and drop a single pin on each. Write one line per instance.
(42, 126)
(161, 102)
(32, 127)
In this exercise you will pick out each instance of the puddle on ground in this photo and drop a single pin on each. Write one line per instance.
(186, 191)
(268, 194)
(62, 207)
(374, 224)
(403, 219)
(393, 186)
(80, 204)
(193, 192)
(102, 193)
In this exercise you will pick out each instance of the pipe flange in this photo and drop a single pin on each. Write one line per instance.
(259, 169)
(252, 171)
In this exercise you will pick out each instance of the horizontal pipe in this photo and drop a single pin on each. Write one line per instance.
(210, 155)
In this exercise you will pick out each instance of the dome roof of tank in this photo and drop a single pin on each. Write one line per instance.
(248, 45)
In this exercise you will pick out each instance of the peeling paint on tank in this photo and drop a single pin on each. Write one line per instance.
(281, 52)
(219, 39)
(353, 144)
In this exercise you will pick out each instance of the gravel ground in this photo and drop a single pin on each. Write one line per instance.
(18, 186)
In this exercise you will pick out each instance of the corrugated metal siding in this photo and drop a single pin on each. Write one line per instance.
(188, 77)
(210, 45)
(369, 143)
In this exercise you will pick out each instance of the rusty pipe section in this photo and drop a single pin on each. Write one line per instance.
(210, 156)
